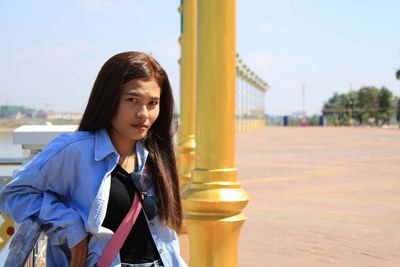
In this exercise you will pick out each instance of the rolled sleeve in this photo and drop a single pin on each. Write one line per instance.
(63, 224)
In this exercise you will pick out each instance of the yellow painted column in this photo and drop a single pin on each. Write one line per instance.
(6, 227)
(6, 230)
(213, 201)
(186, 146)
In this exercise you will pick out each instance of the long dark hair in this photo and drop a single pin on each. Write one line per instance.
(103, 105)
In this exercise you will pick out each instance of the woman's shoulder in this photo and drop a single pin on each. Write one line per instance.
(77, 140)
(66, 145)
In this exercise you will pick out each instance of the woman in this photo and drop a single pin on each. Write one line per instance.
(81, 186)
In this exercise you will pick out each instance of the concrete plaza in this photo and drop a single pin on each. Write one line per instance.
(319, 197)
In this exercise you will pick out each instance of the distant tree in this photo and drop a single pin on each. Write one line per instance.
(337, 109)
(398, 74)
(313, 120)
(386, 105)
(363, 105)
(398, 109)
(368, 104)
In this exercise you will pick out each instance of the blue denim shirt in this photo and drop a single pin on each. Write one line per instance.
(66, 188)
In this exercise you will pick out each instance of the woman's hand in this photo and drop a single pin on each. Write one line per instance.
(79, 253)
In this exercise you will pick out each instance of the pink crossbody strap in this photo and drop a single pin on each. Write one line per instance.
(121, 234)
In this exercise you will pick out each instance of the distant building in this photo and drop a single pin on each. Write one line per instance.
(64, 116)
(40, 114)
(20, 112)
(14, 112)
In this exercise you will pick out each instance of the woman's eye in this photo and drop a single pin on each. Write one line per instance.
(154, 103)
(132, 99)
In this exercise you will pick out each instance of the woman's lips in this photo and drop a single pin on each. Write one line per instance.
(141, 127)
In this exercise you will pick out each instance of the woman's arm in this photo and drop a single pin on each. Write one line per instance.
(29, 196)
(79, 253)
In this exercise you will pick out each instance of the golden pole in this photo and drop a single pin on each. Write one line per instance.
(6, 230)
(186, 146)
(213, 200)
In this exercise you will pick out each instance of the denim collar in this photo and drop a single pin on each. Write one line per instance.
(104, 147)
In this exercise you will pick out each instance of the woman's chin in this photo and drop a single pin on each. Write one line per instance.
(139, 137)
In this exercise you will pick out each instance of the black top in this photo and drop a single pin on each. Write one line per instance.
(139, 246)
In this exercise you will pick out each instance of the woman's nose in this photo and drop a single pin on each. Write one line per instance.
(143, 112)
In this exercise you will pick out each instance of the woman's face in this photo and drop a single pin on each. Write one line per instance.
(138, 109)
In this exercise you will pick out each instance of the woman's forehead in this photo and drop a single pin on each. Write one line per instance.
(141, 87)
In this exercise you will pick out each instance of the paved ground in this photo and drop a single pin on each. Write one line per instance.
(319, 197)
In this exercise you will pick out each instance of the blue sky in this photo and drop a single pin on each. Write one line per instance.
(51, 50)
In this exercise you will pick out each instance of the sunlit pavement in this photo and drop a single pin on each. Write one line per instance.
(319, 197)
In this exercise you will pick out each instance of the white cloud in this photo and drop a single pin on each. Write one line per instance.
(113, 5)
(259, 61)
(262, 63)
(99, 4)
(266, 26)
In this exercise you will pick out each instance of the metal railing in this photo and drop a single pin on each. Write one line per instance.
(250, 98)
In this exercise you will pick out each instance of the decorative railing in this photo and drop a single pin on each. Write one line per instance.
(250, 98)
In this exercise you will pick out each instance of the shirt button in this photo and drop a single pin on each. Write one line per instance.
(161, 250)
(151, 224)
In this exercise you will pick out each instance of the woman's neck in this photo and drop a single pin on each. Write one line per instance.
(125, 147)
(126, 150)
